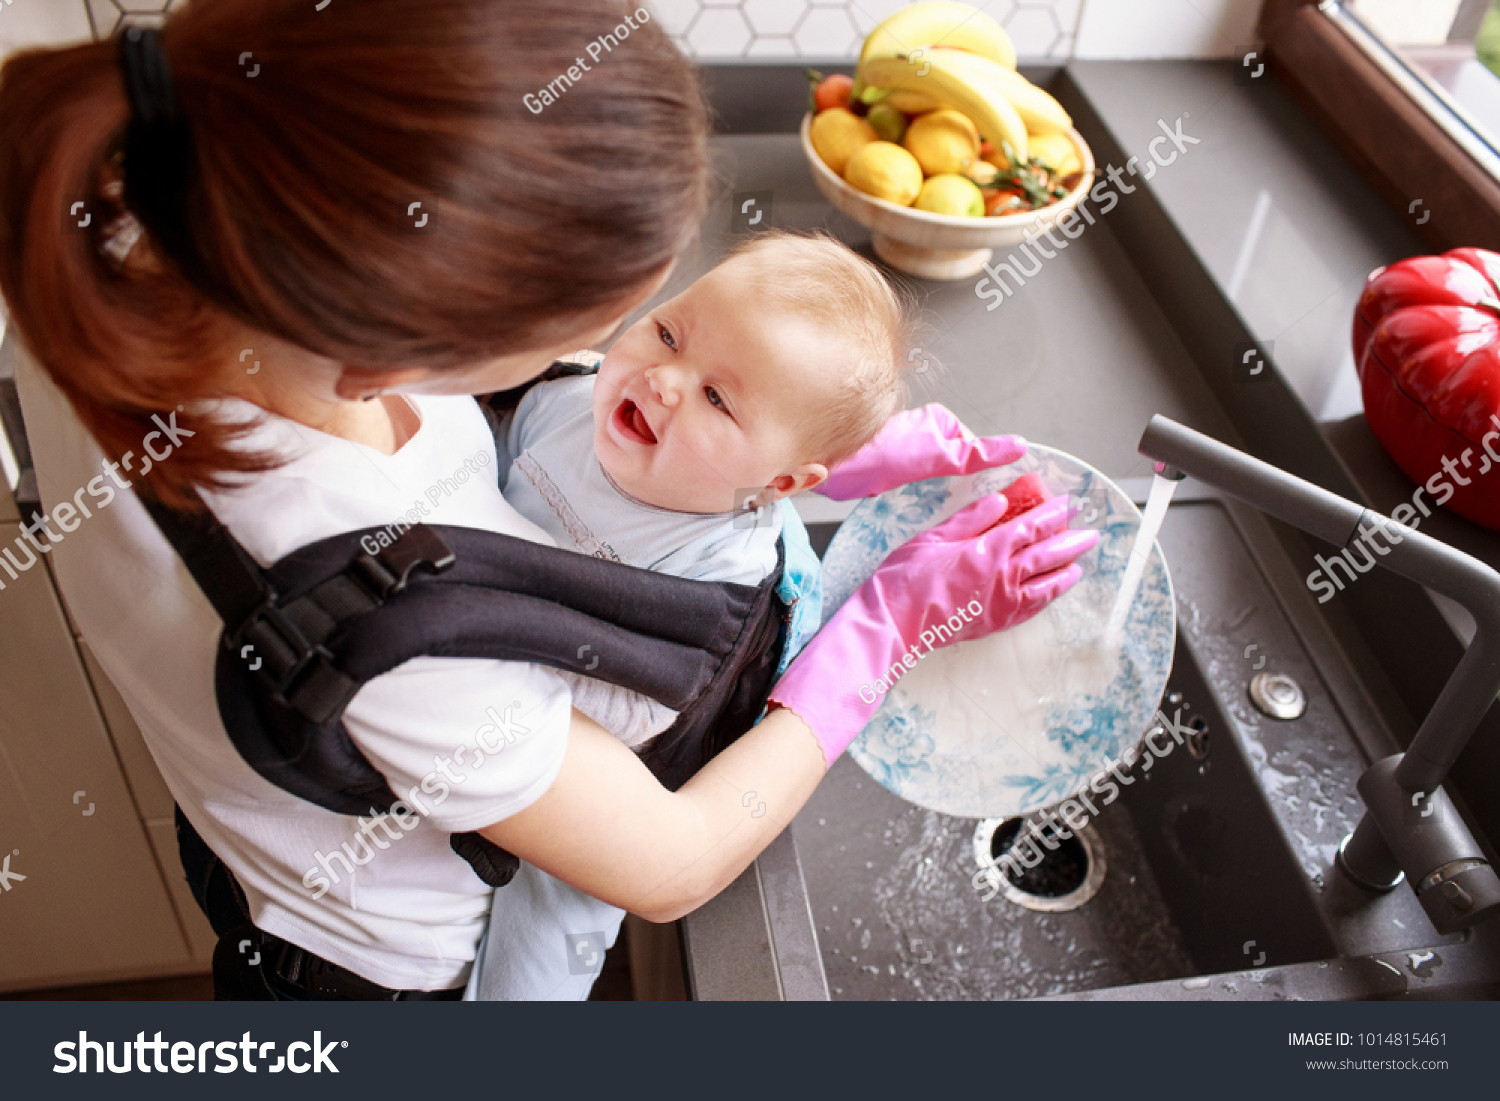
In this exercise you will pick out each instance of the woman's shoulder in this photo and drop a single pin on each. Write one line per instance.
(444, 474)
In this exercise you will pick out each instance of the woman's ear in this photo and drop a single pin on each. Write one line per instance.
(806, 476)
(359, 382)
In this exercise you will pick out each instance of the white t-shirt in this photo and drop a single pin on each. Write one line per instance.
(405, 911)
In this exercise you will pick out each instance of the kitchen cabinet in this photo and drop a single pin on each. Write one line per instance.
(91, 888)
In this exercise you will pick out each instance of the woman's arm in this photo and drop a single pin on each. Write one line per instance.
(608, 827)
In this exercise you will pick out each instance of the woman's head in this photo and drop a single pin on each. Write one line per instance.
(371, 185)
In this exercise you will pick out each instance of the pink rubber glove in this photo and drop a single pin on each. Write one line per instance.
(919, 443)
(1009, 573)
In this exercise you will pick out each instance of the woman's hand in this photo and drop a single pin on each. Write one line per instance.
(929, 442)
(963, 579)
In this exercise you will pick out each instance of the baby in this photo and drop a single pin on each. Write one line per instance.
(744, 389)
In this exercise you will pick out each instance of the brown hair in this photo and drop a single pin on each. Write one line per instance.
(812, 275)
(302, 175)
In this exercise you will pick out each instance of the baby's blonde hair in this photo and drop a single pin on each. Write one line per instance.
(812, 275)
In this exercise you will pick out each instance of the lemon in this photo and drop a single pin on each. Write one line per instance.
(887, 171)
(1055, 151)
(837, 134)
(943, 141)
(950, 194)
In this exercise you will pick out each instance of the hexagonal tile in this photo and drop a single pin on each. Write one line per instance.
(1034, 31)
(674, 16)
(774, 16)
(1066, 12)
(827, 32)
(719, 32)
(998, 10)
(868, 13)
(105, 16)
(772, 46)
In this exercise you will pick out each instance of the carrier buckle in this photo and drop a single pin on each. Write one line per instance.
(388, 571)
(275, 648)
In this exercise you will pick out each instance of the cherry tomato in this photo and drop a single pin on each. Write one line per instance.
(834, 91)
(995, 200)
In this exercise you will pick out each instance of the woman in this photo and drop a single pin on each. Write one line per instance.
(353, 219)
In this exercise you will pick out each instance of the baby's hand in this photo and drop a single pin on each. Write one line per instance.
(929, 442)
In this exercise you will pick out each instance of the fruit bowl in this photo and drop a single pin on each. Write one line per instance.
(940, 246)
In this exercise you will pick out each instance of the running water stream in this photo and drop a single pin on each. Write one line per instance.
(1140, 552)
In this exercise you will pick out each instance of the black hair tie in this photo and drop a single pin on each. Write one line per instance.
(158, 146)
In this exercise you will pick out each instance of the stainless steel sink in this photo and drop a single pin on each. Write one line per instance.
(1219, 879)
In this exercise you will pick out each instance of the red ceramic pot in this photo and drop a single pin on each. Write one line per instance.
(1427, 346)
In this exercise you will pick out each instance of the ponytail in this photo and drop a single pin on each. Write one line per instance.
(301, 178)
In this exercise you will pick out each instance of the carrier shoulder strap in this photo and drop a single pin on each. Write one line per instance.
(458, 592)
(274, 640)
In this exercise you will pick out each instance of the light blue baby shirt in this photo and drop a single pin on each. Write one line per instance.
(555, 480)
(546, 939)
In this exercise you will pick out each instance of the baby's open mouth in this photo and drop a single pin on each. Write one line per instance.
(632, 422)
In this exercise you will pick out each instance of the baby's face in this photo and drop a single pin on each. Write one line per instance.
(703, 399)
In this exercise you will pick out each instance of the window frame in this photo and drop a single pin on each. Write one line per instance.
(1441, 191)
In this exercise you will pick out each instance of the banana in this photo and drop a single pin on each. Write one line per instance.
(1039, 111)
(940, 22)
(936, 77)
(908, 102)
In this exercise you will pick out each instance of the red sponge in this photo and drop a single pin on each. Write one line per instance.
(1023, 494)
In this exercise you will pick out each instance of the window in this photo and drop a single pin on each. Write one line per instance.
(1401, 88)
(1429, 49)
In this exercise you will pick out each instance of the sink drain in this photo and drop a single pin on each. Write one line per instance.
(1049, 873)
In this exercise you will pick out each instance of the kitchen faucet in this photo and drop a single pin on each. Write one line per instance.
(1410, 828)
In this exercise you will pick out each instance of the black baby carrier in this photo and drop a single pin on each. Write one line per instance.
(303, 636)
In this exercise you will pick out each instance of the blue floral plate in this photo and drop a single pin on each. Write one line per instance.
(1027, 717)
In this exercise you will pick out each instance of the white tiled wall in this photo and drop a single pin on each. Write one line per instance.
(33, 22)
(835, 28)
(1166, 28)
(774, 29)
(57, 22)
(1041, 29)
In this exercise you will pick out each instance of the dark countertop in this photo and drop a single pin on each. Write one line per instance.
(1261, 231)
(1079, 361)
(1287, 231)
(1285, 226)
